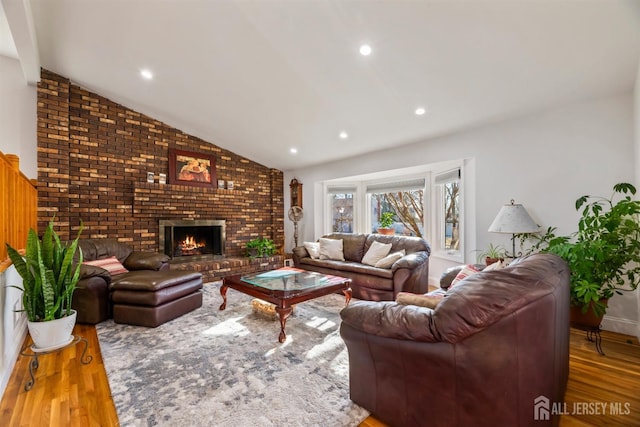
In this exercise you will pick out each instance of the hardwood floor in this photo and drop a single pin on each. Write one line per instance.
(68, 393)
(65, 393)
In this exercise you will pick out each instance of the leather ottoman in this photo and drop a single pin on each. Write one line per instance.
(151, 298)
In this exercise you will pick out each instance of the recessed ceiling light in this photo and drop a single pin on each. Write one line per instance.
(293, 150)
(365, 50)
(344, 135)
(146, 74)
(420, 111)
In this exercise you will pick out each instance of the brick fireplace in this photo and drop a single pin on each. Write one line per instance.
(93, 160)
(192, 240)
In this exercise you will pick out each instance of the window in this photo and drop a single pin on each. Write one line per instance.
(342, 209)
(404, 199)
(448, 226)
(425, 201)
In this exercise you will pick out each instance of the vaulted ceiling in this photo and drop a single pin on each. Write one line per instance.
(262, 77)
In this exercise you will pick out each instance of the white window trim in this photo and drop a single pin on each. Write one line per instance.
(437, 220)
(362, 215)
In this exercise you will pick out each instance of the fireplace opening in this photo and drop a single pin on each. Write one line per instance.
(196, 239)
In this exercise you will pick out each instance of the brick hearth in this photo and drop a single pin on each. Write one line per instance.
(93, 159)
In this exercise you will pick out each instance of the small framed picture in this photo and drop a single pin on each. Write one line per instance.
(162, 178)
(221, 183)
(229, 185)
(150, 177)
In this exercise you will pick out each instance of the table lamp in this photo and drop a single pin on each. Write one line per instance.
(513, 219)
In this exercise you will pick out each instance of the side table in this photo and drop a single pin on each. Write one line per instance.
(33, 352)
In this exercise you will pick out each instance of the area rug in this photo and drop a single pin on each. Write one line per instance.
(227, 368)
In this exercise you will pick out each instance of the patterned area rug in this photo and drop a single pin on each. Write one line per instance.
(226, 368)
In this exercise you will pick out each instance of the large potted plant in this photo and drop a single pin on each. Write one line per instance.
(603, 255)
(49, 278)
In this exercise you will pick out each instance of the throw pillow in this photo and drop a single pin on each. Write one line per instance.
(498, 265)
(388, 261)
(112, 265)
(466, 271)
(430, 301)
(331, 249)
(376, 252)
(313, 248)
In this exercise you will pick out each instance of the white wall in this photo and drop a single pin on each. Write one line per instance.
(544, 161)
(13, 325)
(17, 136)
(636, 116)
(18, 116)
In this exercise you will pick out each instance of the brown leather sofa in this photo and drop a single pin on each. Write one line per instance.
(148, 295)
(496, 342)
(409, 274)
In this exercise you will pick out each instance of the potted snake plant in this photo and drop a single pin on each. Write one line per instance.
(49, 278)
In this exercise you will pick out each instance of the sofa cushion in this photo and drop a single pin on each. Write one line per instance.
(347, 266)
(145, 280)
(466, 271)
(313, 248)
(93, 249)
(331, 249)
(390, 259)
(353, 245)
(376, 252)
(111, 264)
(408, 243)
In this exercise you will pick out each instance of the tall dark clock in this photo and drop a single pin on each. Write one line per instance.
(296, 192)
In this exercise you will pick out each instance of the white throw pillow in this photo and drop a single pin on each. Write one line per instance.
(313, 248)
(331, 249)
(376, 252)
(498, 265)
(388, 261)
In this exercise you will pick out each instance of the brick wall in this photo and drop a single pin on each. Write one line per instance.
(93, 159)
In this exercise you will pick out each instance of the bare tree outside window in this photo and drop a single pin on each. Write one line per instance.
(451, 192)
(408, 207)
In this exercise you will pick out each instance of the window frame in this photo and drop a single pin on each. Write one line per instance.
(438, 219)
(433, 204)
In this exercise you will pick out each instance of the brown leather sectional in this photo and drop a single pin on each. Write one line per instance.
(148, 295)
(408, 274)
(494, 351)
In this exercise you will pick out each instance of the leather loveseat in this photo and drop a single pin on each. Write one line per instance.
(148, 294)
(493, 350)
(408, 274)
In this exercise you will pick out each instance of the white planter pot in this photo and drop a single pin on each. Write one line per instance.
(53, 333)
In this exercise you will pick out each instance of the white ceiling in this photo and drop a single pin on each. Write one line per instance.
(259, 77)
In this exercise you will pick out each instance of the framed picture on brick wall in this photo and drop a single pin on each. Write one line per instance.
(191, 168)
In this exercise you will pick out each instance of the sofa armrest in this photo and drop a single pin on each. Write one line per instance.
(391, 320)
(451, 273)
(411, 261)
(145, 261)
(88, 271)
(299, 252)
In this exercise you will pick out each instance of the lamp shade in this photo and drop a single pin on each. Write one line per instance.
(513, 218)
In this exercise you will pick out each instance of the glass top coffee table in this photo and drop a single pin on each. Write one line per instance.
(284, 288)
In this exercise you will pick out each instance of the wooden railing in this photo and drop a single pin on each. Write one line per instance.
(18, 206)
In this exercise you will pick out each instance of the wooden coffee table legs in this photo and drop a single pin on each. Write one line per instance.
(283, 314)
(347, 296)
(283, 311)
(223, 292)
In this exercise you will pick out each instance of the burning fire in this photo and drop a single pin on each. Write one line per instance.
(189, 244)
